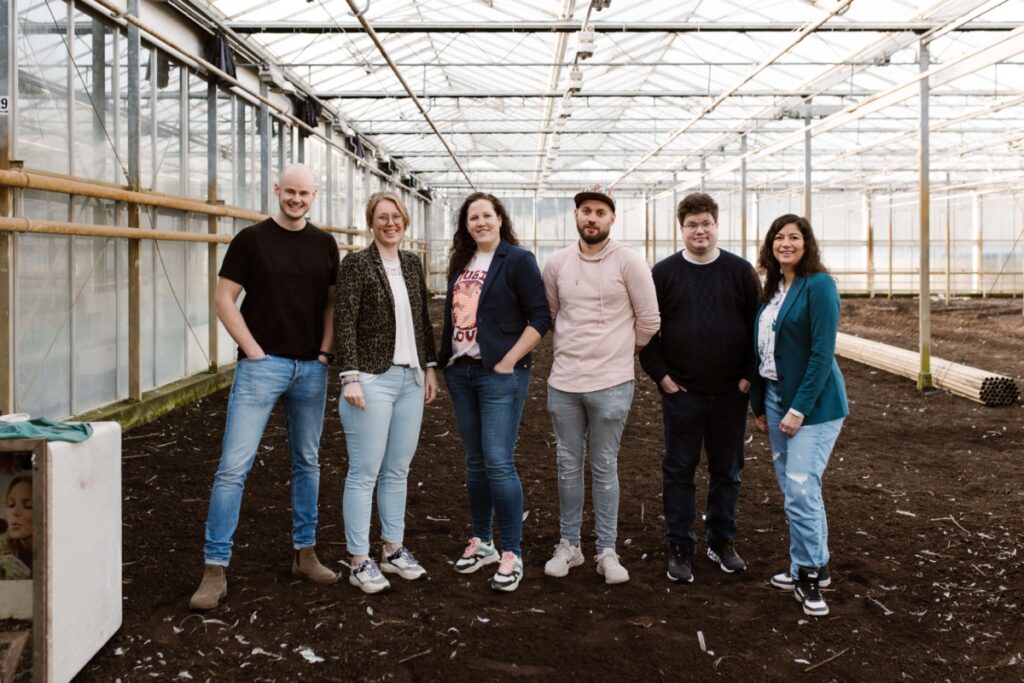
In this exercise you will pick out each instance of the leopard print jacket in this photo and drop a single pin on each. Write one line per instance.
(364, 312)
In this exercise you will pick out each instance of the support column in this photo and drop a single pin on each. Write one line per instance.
(891, 212)
(328, 162)
(536, 217)
(7, 113)
(350, 185)
(979, 252)
(703, 171)
(869, 224)
(264, 132)
(134, 218)
(807, 166)
(212, 223)
(743, 195)
(647, 231)
(924, 375)
(675, 207)
(949, 244)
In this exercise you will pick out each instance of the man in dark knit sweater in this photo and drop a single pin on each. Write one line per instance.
(702, 361)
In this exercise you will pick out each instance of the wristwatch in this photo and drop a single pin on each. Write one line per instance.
(328, 355)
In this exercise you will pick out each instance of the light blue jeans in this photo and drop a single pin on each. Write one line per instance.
(256, 387)
(381, 441)
(598, 417)
(800, 462)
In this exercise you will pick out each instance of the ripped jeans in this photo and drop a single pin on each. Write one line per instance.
(591, 421)
(800, 462)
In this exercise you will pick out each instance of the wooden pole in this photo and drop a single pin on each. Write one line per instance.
(924, 375)
(870, 225)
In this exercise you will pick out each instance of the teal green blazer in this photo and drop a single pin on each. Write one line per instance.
(805, 347)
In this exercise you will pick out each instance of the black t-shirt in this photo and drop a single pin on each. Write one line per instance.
(285, 275)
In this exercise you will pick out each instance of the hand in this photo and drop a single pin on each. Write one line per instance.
(744, 386)
(430, 386)
(256, 354)
(669, 386)
(503, 367)
(790, 424)
(323, 361)
(352, 394)
(761, 422)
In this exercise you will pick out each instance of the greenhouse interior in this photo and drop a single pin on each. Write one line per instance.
(863, 126)
(139, 137)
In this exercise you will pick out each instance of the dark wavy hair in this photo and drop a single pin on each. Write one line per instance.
(21, 548)
(463, 245)
(769, 266)
(694, 203)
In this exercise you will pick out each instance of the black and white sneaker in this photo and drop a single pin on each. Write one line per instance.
(367, 577)
(403, 563)
(727, 558)
(783, 581)
(679, 568)
(808, 593)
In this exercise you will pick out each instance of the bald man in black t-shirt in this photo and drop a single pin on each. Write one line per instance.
(284, 330)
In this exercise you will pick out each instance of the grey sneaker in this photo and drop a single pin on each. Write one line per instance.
(367, 577)
(727, 558)
(565, 558)
(403, 563)
(679, 568)
(476, 555)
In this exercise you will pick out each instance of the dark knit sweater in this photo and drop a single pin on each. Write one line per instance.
(706, 342)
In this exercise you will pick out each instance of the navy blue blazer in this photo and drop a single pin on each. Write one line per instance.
(512, 298)
(805, 352)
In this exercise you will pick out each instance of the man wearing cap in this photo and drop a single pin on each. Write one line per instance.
(604, 309)
(702, 361)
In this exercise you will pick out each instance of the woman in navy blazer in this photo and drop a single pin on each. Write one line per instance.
(799, 396)
(495, 313)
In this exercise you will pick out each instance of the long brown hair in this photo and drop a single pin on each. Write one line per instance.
(463, 245)
(21, 547)
(769, 266)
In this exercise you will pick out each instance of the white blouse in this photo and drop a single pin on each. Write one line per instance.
(766, 333)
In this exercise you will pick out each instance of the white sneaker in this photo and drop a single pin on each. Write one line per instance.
(476, 555)
(608, 566)
(565, 558)
(367, 577)
(403, 563)
(509, 574)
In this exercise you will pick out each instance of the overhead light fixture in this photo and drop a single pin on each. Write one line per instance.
(575, 80)
(565, 109)
(600, 4)
(585, 44)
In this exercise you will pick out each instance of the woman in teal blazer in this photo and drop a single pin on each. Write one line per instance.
(798, 395)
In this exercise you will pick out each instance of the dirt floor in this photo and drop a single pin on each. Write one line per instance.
(924, 494)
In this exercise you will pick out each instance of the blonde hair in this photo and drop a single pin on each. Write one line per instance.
(378, 197)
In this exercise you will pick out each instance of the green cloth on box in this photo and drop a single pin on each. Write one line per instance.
(44, 428)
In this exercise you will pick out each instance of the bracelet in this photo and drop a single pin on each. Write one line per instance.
(352, 379)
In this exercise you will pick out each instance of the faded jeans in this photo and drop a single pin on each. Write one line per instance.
(800, 462)
(381, 441)
(488, 406)
(256, 387)
(597, 417)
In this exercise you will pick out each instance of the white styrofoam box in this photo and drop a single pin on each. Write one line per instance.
(84, 536)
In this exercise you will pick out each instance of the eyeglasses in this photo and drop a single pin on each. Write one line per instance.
(706, 225)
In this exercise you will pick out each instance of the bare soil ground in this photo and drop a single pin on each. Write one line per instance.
(924, 494)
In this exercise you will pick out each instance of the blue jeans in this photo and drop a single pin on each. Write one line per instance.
(488, 406)
(598, 417)
(381, 441)
(715, 423)
(800, 462)
(256, 387)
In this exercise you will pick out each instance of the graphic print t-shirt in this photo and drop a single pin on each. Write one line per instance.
(465, 299)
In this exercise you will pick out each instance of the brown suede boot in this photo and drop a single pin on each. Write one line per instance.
(307, 566)
(212, 589)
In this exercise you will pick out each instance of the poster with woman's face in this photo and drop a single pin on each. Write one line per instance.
(16, 527)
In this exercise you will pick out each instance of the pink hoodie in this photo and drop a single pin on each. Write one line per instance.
(602, 307)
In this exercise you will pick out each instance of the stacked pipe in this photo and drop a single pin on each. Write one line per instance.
(977, 385)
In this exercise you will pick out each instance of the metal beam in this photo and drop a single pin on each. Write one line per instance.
(598, 94)
(350, 27)
(212, 223)
(7, 113)
(134, 217)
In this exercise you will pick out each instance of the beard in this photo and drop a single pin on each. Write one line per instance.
(601, 235)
